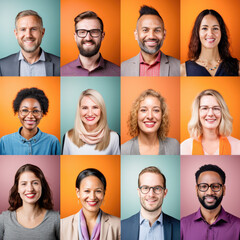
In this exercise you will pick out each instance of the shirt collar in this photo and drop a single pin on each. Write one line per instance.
(100, 60)
(33, 139)
(157, 60)
(159, 220)
(42, 56)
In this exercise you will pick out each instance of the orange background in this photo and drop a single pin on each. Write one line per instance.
(168, 87)
(170, 13)
(10, 86)
(229, 10)
(72, 165)
(108, 11)
(229, 88)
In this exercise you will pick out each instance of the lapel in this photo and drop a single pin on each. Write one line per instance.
(15, 66)
(135, 66)
(48, 65)
(164, 65)
(104, 226)
(167, 227)
(134, 227)
(75, 226)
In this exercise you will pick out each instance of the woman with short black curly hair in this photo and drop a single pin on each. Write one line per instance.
(31, 104)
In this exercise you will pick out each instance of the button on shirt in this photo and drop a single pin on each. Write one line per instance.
(36, 69)
(154, 232)
(226, 227)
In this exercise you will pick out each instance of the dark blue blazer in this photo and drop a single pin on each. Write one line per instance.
(130, 228)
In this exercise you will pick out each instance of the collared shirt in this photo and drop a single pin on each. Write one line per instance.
(154, 232)
(152, 70)
(104, 68)
(41, 144)
(35, 69)
(226, 227)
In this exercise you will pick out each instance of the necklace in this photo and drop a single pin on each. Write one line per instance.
(210, 68)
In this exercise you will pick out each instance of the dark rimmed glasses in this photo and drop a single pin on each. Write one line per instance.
(82, 33)
(146, 189)
(203, 187)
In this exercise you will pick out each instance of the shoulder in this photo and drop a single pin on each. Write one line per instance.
(70, 219)
(188, 219)
(170, 219)
(52, 57)
(183, 70)
(111, 65)
(70, 65)
(126, 147)
(53, 216)
(235, 145)
(49, 137)
(9, 137)
(233, 219)
(130, 61)
(9, 58)
(172, 146)
(112, 220)
(186, 147)
(131, 220)
(171, 141)
(114, 135)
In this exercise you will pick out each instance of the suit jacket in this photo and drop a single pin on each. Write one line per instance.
(130, 228)
(10, 65)
(110, 227)
(169, 66)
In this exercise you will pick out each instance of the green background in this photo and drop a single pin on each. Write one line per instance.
(131, 166)
(49, 10)
(71, 88)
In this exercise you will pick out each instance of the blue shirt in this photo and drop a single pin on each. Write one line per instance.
(154, 232)
(41, 144)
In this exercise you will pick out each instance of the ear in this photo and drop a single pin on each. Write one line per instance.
(75, 36)
(136, 34)
(164, 34)
(43, 31)
(224, 190)
(196, 187)
(15, 32)
(165, 192)
(139, 192)
(78, 193)
(103, 35)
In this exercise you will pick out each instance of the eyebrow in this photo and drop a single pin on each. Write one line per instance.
(216, 25)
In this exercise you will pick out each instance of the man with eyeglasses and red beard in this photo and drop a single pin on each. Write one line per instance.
(211, 221)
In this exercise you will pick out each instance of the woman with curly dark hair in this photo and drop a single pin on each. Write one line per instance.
(149, 126)
(31, 104)
(30, 214)
(209, 53)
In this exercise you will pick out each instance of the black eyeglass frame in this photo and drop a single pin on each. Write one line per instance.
(211, 186)
(90, 32)
(153, 188)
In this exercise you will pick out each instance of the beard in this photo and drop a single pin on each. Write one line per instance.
(27, 48)
(145, 49)
(88, 52)
(218, 200)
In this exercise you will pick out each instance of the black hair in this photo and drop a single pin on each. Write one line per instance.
(146, 10)
(91, 172)
(35, 93)
(213, 168)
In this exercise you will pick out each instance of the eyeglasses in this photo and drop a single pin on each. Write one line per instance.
(35, 112)
(203, 187)
(82, 33)
(157, 189)
(205, 109)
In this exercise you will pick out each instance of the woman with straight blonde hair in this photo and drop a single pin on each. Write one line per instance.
(210, 127)
(91, 134)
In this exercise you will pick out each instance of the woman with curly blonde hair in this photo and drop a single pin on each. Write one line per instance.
(149, 125)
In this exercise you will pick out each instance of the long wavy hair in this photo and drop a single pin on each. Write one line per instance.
(229, 63)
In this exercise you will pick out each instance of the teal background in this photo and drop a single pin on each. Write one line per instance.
(131, 166)
(71, 88)
(49, 10)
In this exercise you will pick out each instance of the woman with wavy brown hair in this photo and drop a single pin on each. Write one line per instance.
(209, 53)
(149, 125)
(30, 214)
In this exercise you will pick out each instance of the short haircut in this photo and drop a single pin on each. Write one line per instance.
(91, 172)
(133, 118)
(194, 125)
(213, 168)
(88, 14)
(152, 169)
(26, 13)
(35, 93)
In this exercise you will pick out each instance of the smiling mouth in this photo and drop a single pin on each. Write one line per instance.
(149, 124)
(210, 120)
(90, 118)
(30, 122)
(209, 199)
(210, 40)
(92, 203)
(151, 201)
(30, 195)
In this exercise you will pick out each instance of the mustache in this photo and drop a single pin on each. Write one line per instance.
(204, 197)
(90, 41)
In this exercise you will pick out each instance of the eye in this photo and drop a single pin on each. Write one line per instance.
(99, 191)
(24, 110)
(95, 107)
(216, 28)
(36, 183)
(84, 108)
(158, 30)
(36, 111)
(143, 110)
(204, 28)
(156, 110)
(86, 191)
(145, 30)
(145, 187)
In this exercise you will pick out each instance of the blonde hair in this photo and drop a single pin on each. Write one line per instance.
(194, 125)
(133, 118)
(102, 124)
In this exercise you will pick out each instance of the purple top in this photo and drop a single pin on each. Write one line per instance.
(104, 68)
(226, 226)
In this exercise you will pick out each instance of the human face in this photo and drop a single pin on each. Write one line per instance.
(91, 193)
(149, 115)
(210, 199)
(29, 187)
(151, 201)
(150, 33)
(30, 121)
(90, 113)
(29, 33)
(88, 46)
(209, 32)
(209, 119)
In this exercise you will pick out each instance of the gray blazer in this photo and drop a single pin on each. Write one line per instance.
(170, 146)
(10, 65)
(169, 66)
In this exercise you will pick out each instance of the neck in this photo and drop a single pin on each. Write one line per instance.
(89, 63)
(151, 216)
(209, 55)
(149, 58)
(148, 139)
(28, 134)
(210, 135)
(31, 57)
(210, 216)
(90, 128)
(30, 211)
(90, 216)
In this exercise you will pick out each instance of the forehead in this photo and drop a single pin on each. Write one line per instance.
(28, 21)
(150, 101)
(209, 20)
(91, 182)
(209, 177)
(26, 176)
(208, 101)
(88, 23)
(87, 101)
(151, 179)
(150, 21)
(30, 102)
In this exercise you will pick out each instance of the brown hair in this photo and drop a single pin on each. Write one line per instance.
(26, 13)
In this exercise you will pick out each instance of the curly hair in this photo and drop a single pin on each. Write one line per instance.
(45, 201)
(229, 63)
(35, 93)
(133, 118)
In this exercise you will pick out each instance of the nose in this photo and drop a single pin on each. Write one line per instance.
(209, 31)
(209, 191)
(92, 195)
(151, 34)
(90, 112)
(28, 33)
(88, 36)
(210, 111)
(149, 114)
(30, 114)
(151, 192)
(29, 187)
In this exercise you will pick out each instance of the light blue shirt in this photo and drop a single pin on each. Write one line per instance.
(154, 232)
(41, 144)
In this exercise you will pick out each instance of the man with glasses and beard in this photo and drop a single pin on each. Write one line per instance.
(211, 221)
(150, 34)
(151, 223)
(88, 36)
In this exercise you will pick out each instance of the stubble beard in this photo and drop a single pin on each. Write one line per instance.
(145, 49)
(158, 206)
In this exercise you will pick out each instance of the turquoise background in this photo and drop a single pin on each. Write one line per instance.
(71, 88)
(49, 10)
(131, 166)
